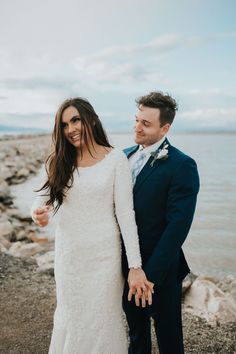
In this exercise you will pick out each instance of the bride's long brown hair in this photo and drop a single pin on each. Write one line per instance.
(61, 163)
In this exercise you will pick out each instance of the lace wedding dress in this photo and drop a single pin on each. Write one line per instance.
(89, 284)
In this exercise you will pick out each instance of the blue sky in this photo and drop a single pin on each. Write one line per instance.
(113, 51)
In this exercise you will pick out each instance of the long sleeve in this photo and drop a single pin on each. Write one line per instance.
(41, 197)
(123, 198)
(181, 202)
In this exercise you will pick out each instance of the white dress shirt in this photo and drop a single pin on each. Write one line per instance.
(147, 151)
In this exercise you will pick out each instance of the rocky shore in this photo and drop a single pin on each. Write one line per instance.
(27, 288)
(21, 157)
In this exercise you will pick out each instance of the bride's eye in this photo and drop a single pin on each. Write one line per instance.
(75, 119)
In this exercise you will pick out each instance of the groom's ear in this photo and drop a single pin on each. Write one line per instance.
(165, 128)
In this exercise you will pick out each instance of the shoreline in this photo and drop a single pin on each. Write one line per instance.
(21, 136)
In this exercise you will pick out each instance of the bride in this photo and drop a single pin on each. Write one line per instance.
(88, 184)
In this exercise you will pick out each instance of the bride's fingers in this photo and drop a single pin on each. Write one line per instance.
(130, 294)
(133, 289)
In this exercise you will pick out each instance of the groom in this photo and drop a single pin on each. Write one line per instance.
(166, 184)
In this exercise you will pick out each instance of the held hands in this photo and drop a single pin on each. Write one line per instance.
(140, 287)
(40, 215)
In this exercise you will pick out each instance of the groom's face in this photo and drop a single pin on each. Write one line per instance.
(147, 127)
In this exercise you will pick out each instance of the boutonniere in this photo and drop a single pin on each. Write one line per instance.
(160, 155)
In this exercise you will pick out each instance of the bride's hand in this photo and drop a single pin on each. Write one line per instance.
(40, 216)
(140, 287)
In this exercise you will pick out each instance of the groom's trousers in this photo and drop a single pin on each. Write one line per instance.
(166, 313)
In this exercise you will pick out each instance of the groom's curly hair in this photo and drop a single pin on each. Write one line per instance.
(166, 104)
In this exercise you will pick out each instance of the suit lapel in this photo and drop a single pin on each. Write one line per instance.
(147, 170)
(130, 151)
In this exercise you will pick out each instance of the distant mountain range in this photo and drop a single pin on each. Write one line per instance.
(10, 129)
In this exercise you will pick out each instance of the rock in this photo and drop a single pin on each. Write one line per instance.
(46, 262)
(41, 240)
(189, 279)
(3, 249)
(21, 235)
(4, 242)
(20, 249)
(5, 172)
(25, 218)
(5, 194)
(4, 190)
(232, 290)
(32, 168)
(228, 285)
(210, 278)
(17, 180)
(14, 212)
(23, 172)
(10, 163)
(6, 228)
(206, 300)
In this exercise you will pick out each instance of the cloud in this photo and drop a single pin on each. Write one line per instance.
(224, 35)
(129, 64)
(211, 117)
(214, 91)
(125, 67)
(39, 83)
(114, 68)
(34, 83)
(158, 45)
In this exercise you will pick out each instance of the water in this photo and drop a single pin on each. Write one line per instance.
(211, 244)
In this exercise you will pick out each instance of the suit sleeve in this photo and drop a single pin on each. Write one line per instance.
(180, 208)
(123, 200)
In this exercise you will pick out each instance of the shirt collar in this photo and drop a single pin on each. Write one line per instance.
(152, 147)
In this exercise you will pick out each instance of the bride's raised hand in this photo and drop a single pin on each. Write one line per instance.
(40, 215)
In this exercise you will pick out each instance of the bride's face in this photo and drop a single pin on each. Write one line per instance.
(72, 126)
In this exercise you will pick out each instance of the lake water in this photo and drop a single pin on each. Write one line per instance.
(211, 244)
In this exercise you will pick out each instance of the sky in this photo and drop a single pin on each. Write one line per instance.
(111, 52)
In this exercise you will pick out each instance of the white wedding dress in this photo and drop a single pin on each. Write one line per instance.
(89, 283)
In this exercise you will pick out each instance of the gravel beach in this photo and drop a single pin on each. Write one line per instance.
(28, 302)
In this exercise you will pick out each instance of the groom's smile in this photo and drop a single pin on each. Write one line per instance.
(148, 129)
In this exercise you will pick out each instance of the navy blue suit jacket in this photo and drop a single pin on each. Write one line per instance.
(165, 197)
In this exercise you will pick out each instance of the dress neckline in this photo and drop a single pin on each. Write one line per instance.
(97, 163)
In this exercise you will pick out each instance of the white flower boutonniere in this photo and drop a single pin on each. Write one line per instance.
(161, 155)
